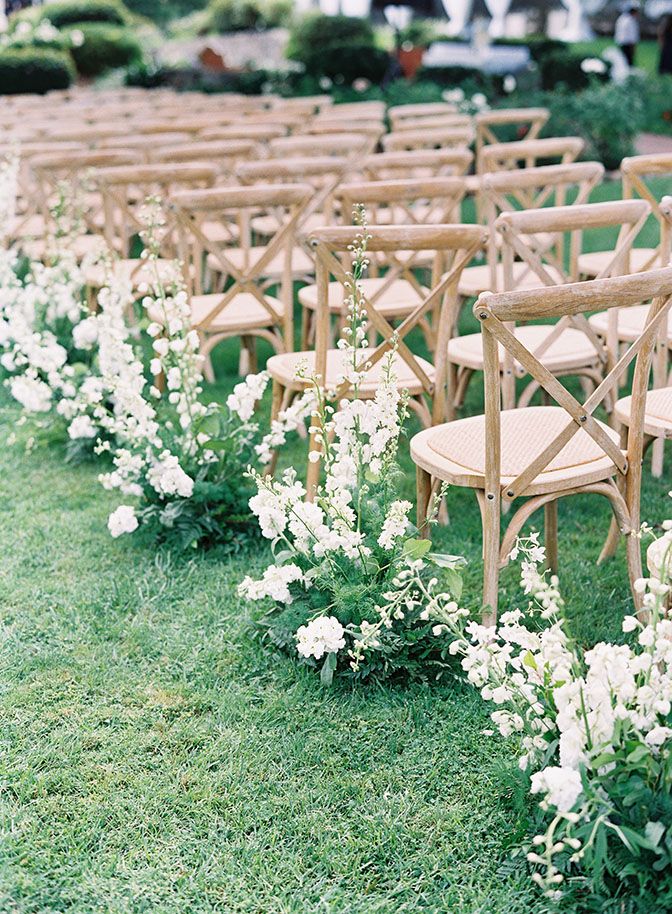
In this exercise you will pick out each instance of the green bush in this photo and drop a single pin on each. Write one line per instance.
(239, 15)
(104, 48)
(165, 11)
(340, 48)
(64, 13)
(34, 70)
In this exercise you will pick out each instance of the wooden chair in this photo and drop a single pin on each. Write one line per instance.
(392, 285)
(419, 163)
(260, 133)
(534, 243)
(423, 380)
(529, 153)
(438, 138)
(438, 122)
(400, 114)
(124, 191)
(225, 155)
(528, 121)
(637, 172)
(528, 188)
(658, 407)
(243, 305)
(351, 145)
(547, 452)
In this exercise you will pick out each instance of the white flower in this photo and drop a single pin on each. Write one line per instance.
(323, 635)
(395, 524)
(509, 84)
(593, 65)
(274, 583)
(562, 786)
(167, 477)
(32, 393)
(246, 394)
(659, 557)
(85, 333)
(82, 427)
(123, 520)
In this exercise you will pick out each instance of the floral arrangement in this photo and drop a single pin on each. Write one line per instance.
(352, 585)
(182, 461)
(594, 728)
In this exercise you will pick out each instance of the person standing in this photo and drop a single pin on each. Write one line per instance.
(665, 40)
(626, 35)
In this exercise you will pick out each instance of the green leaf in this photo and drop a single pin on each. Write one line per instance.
(638, 754)
(443, 560)
(328, 669)
(416, 549)
(654, 831)
(454, 583)
(217, 444)
(529, 661)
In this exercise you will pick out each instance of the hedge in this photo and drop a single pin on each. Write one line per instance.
(34, 70)
(105, 47)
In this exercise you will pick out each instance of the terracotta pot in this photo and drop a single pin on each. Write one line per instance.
(410, 60)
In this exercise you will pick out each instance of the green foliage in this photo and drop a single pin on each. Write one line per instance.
(238, 15)
(105, 47)
(164, 11)
(419, 33)
(340, 48)
(656, 94)
(70, 12)
(34, 70)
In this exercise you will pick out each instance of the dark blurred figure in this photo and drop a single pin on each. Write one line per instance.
(626, 35)
(665, 41)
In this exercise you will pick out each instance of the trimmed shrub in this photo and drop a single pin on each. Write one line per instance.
(64, 13)
(164, 11)
(340, 48)
(104, 48)
(34, 70)
(240, 15)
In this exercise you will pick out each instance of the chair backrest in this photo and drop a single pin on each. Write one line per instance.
(225, 155)
(437, 138)
(262, 133)
(193, 210)
(420, 201)
(419, 163)
(453, 245)
(353, 145)
(639, 173)
(527, 122)
(399, 114)
(125, 189)
(533, 188)
(323, 173)
(74, 168)
(665, 210)
(529, 153)
(496, 311)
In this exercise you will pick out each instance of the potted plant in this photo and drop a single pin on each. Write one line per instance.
(412, 42)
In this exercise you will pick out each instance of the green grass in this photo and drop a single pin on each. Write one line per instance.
(155, 757)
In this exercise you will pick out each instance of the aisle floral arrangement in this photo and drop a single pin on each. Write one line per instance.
(354, 589)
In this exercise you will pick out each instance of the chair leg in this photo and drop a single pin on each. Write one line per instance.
(491, 545)
(657, 454)
(551, 531)
(423, 486)
(276, 406)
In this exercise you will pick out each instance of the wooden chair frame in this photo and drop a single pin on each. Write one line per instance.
(434, 163)
(507, 156)
(438, 138)
(622, 488)
(190, 209)
(487, 121)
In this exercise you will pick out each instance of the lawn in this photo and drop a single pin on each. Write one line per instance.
(156, 757)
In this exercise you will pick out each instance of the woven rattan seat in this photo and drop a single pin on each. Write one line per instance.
(572, 348)
(457, 450)
(283, 368)
(657, 414)
(593, 263)
(400, 298)
(478, 279)
(630, 323)
(240, 258)
(244, 312)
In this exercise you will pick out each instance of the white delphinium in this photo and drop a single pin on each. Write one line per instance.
(324, 635)
(395, 525)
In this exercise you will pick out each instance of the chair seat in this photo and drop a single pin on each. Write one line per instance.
(401, 298)
(572, 348)
(455, 451)
(630, 322)
(244, 312)
(241, 258)
(657, 415)
(475, 280)
(592, 264)
(220, 232)
(283, 368)
(135, 271)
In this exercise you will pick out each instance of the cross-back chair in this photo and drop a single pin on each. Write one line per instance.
(400, 114)
(124, 190)
(527, 122)
(243, 303)
(529, 153)
(528, 188)
(658, 407)
(352, 145)
(418, 163)
(225, 155)
(436, 138)
(392, 284)
(570, 347)
(424, 381)
(547, 452)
